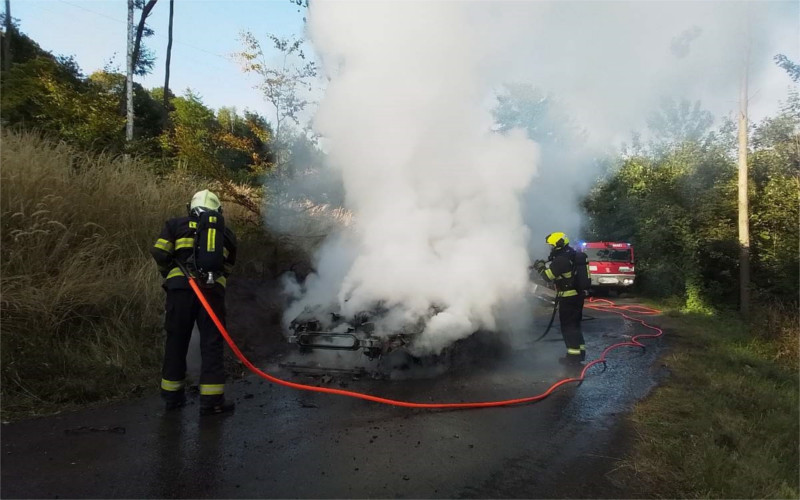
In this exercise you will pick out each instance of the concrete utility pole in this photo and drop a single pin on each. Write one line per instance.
(129, 80)
(7, 45)
(744, 211)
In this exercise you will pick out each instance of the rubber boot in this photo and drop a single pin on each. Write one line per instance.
(173, 400)
(216, 408)
(572, 362)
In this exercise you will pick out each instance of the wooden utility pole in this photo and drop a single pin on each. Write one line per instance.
(169, 55)
(129, 81)
(7, 45)
(744, 211)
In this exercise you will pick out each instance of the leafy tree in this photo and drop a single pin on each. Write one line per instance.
(143, 58)
(26, 49)
(791, 67)
(775, 169)
(149, 115)
(244, 142)
(48, 93)
(282, 84)
(676, 201)
(224, 145)
(542, 116)
(679, 121)
(51, 94)
(679, 210)
(191, 139)
(547, 121)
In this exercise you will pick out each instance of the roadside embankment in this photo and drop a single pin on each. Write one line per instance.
(725, 422)
(82, 305)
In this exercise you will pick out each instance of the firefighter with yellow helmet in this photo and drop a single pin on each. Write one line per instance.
(202, 245)
(568, 269)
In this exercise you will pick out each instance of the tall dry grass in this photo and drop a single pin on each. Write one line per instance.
(81, 306)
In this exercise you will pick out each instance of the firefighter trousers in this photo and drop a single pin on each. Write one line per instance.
(183, 309)
(570, 313)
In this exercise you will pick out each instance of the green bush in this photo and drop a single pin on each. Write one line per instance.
(676, 201)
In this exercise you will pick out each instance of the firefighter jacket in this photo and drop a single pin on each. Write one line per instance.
(563, 274)
(176, 243)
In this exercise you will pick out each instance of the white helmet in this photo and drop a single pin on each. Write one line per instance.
(204, 200)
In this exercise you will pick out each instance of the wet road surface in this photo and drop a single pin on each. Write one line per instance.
(282, 443)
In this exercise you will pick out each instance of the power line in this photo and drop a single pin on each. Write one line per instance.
(93, 12)
(187, 57)
(177, 42)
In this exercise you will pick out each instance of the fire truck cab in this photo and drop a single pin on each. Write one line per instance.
(610, 264)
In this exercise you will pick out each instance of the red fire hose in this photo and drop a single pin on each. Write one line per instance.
(600, 305)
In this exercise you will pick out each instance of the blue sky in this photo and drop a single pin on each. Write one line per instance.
(205, 34)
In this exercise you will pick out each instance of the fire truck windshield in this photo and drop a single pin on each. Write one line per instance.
(607, 255)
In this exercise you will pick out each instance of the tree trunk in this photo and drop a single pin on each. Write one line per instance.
(129, 79)
(744, 218)
(169, 55)
(7, 44)
(140, 29)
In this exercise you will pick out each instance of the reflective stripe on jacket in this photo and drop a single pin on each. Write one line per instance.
(560, 273)
(176, 242)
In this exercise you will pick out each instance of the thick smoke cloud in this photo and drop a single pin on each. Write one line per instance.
(611, 64)
(447, 214)
(438, 241)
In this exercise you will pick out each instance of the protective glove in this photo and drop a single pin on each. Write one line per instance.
(538, 265)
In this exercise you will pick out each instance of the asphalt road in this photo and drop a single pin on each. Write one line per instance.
(281, 443)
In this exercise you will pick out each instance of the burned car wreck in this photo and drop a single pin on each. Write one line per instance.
(382, 356)
(308, 333)
(385, 350)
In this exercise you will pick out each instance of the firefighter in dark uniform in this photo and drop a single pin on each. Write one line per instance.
(183, 308)
(569, 271)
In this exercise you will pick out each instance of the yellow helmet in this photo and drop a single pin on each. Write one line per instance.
(204, 200)
(557, 240)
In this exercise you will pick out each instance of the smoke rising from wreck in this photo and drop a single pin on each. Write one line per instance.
(438, 243)
(445, 210)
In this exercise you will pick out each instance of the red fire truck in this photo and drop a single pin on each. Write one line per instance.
(610, 264)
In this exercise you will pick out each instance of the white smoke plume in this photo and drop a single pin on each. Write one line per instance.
(445, 210)
(438, 237)
(611, 64)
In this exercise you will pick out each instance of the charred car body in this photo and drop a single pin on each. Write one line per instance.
(309, 333)
(387, 352)
(384, 356)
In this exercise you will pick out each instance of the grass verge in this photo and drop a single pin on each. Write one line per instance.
(725, 423)
(81, 302)
(81, 310)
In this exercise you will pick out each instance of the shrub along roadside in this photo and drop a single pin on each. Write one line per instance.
(725, 423)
